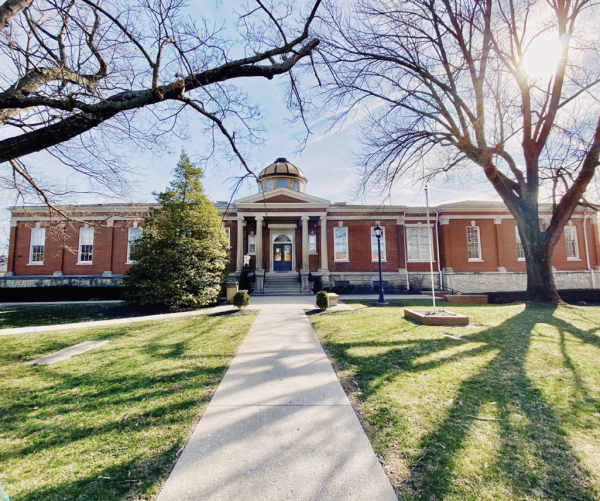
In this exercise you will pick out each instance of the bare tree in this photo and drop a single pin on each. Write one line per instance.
(84, 79)
(462, 79)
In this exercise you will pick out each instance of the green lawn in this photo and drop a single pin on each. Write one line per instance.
(509, 411)
(31, 316)
(108, 424)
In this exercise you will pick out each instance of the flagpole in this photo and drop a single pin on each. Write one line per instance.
(430, 246)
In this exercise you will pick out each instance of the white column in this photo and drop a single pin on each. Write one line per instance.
(259, 243)
(305, 265)
(240, 244)
(324, 261)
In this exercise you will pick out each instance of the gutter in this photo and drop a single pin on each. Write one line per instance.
(587, 252)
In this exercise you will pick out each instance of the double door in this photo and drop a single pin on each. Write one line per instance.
(282, 257)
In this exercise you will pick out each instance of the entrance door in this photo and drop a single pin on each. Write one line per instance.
(282, 257)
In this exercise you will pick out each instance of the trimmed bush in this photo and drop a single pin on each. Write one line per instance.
(241, 299)
(322, 300)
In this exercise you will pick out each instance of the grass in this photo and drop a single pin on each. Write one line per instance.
(509, 410)
(108, 424)
(31, 316)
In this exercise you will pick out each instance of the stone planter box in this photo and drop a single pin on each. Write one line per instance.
(442, 317)
(333, 299)
(468, 298)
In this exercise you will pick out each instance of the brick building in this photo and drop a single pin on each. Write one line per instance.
(284, 231)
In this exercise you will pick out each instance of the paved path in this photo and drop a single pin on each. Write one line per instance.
(279, 427)
(257, 303)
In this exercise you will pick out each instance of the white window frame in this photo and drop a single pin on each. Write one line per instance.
(129, 242)
(252, 241)
(420, 259)
(475, 259)
(33, 240)
(374, 243)
(82, 231)
(312, 238)
(519, 243)
(347, 259)
(573, 230)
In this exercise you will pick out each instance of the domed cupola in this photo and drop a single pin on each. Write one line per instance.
(281, 174)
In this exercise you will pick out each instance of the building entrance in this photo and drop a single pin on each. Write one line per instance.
(282, 254)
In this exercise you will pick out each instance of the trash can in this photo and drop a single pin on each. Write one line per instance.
(232, 289)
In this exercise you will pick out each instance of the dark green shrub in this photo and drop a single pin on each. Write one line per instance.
(241, 299)
(318, 284)
(351, 288)
(322, 300)
(244, 284)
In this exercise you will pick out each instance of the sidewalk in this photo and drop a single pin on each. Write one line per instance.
(257, 303)
(279, 427)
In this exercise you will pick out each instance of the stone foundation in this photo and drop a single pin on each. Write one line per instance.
(20, 282)
(512, 281)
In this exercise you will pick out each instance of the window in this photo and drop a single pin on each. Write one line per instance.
(374, 250)
(282, 183)
(37, 245)
(294, 185)
(252, 243)
(312, 244)
(571, 241)
(86, 245)
(228, 231)
(133, 235)
(340, 244)
(417, 243)
(473, 243)
(260, 187)
(520, 250)
(269, 185)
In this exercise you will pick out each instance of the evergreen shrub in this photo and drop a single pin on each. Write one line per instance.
(241, 299)
(322, 300)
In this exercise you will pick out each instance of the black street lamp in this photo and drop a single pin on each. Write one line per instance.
(379, 233)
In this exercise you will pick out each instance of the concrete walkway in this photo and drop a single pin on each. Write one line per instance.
(257, 303)
(279, 427)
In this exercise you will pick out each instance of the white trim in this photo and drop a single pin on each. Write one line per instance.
(259, 198)
(254, 237)
(572, 229)
(37, 228)
(418, 226)
(273, 234)
(479, 253)
(80, 245)
(347, 259)
(128, 258)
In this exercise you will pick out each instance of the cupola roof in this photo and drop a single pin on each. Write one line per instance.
(281, 167)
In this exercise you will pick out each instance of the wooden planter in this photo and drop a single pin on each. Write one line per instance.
(442, 317)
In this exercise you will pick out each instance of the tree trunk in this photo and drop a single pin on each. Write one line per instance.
(538, 256)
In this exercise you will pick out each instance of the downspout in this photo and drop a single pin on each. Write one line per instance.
(406, 258)
(587, 252)
(437, 243)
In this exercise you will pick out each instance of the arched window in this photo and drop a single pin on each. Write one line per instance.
(282, 238)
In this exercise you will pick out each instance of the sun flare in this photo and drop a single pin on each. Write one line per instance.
(541, 57)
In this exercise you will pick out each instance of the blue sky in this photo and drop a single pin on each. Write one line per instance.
(326, 160)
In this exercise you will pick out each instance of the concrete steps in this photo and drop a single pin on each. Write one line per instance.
(283, 284)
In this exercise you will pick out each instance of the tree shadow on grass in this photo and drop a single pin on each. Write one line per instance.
(118, 403)
(533, 457)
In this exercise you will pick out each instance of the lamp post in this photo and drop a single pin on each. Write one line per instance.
(379, 233)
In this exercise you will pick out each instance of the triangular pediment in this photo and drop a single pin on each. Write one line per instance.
(281, 196)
